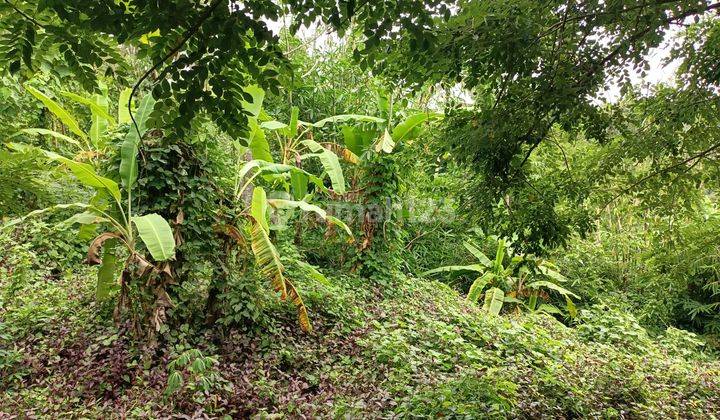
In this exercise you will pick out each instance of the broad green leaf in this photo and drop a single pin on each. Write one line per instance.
(552, 286)
(99, 125)
(552, 274)
(106, 282)
(484, 260)
(12, 222)
(299, 184)
(61, 113)
(330, 163)
(570, 305)
(351, 140)
(157, 235)
(175, 382)
(258, 95)
(494, 299)
(45, 132)
(404, 129)
(385, 143)
(259, 208)
(129, 149)
(337, 222)
(82, 171)
(347, 117)
(449, 268)
(313, 272)
(478, 286)
(85, 218)
(273, 125)
(92, 103)
(86, 174)
(499, 255)
(277, 168)
(293, 125)
(288, 204)
(123, 112)
(257, 142)
(550, 309)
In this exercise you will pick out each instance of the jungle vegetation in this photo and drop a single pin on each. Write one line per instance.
(359, 209)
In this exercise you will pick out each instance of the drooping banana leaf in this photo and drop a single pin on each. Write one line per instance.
(552, 286)
(13, 222)
(46, 132)
(268, 259)
(449, 268)
(484, 260)
(95, 107)
(61, 113)
(295, 298)
(286, 204)
(84, 172)
(347, 117)
(404, 129)
(330, 163)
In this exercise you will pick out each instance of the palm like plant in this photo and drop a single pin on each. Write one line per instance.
(111, 208)
(506, 282)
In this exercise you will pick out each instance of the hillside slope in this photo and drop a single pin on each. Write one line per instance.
(416, 350)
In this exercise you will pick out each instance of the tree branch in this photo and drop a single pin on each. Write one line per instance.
(698, 156)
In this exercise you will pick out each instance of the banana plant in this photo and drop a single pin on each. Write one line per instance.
(296, 143)
(87, 145)
(503, 280)
(124, 230)
(256, 227)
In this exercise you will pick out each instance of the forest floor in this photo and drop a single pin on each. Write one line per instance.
(414, 349)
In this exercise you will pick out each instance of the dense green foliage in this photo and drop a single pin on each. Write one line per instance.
(463, 209)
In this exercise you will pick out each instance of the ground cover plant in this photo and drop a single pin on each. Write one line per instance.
(393, 209)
